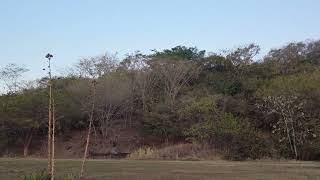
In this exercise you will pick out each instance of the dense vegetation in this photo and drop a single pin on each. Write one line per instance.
(234, 102)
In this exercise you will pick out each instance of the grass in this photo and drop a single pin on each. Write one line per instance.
(175, 152)
(168, 170)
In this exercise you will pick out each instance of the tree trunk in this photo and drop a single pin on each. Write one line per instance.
(27, 143)
(89, 129)
(294, 141)
(53, 139)
(50, 130)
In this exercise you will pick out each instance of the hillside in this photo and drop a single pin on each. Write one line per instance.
(155, 104)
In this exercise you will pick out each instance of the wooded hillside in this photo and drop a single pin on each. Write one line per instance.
(244, 106)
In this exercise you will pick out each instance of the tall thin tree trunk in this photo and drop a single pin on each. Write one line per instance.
(294, 140)
(53, 139)
(27, 143)
(51, 124)
(50, 130)
(89, 129)
(287, 129)
(288, 134)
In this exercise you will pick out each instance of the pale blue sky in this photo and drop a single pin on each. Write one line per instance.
(71, 29)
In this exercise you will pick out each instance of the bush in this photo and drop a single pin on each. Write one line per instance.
(236, 138)
(40, 175)
(143, 153)
(247, 144)
(310, 151)
(175, 152)
(161, 124)
(43, 175)
(69, 177)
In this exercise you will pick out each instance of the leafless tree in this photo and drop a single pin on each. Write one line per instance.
(142, 79)
(93, 98)
(94, 68)
(176, 74)
(10, 75)
(145, 82)
(113, 102)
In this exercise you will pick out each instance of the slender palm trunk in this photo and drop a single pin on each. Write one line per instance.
(53, 140)
(51, 124)
(89, 129)
(50, 131)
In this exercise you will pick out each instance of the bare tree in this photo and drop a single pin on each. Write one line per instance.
(142, 78)
(89, 128)
(94, 68)
(176, 74)
(145, 82)
(114, 97)
(10, 74)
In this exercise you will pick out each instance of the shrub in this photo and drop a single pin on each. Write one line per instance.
(247, 144)
(143, 153)
(39, 175)
(162, 124)
(69, 177)
(236, 138)
(42, 175)
(175, 152)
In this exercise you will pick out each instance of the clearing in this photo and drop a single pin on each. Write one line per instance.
(169, 170)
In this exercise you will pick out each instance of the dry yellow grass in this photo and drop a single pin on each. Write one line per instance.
(175, 152)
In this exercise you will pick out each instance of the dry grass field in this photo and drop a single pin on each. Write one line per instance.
(169, 170)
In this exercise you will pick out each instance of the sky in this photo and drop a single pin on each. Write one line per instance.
(72, 29)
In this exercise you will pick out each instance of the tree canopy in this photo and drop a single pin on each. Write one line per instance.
(254, 108)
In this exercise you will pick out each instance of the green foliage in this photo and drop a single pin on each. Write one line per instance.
(161, 124)
(240, 139)
(43, 175)
(216, 63)
(303, 84)
(68, 102)
(22, 115)
(69, 177)
(39, 175)
(180, 94)
(198, 110)
(180, 53)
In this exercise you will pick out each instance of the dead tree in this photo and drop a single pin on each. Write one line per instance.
(10, 75)
(51, 124)
(176, 74)
(94, 68)
(89, 128)
(53, 139)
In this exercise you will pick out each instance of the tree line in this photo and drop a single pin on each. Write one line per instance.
(245, 106)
